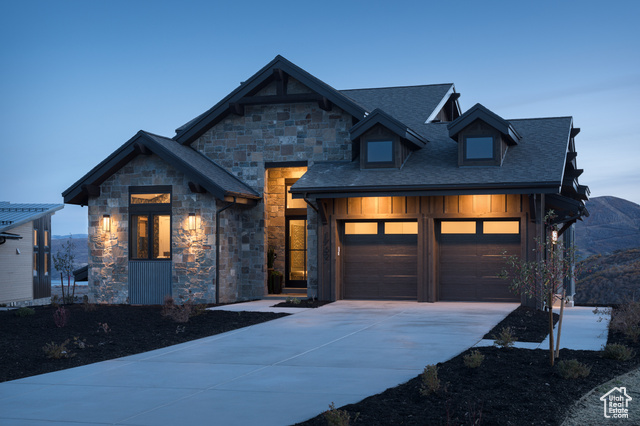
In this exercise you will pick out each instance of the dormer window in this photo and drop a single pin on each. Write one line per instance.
(479, 148)
(379, 152)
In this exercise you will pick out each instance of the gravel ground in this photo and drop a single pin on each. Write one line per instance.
(589, 410)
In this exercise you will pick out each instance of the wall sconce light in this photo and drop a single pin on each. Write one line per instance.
(106, 223)
(192, 221)
(554, 236)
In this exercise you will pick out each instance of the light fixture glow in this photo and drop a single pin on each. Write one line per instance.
(106, 223)
(192, 221)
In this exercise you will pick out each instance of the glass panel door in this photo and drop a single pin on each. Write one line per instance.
(296, 253)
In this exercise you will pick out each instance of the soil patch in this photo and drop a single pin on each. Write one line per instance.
(302, 303)
(131, 330)
(527, 324)
(511, 387)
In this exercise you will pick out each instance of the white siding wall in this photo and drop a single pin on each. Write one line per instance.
(16, 270)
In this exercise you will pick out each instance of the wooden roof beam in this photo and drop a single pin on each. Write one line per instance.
(575, 131)
(196, 188)
(237, 109)
(325, 104)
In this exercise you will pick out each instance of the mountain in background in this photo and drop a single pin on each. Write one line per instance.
(613, 224)
(610, 278)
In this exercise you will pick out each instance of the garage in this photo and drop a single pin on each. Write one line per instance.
(470, 259)
(380, 260)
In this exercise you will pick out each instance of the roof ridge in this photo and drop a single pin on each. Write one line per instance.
(397, 87)
(540, 118)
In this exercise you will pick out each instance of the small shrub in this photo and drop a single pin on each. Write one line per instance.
(61, 317)
(572, 369)
(626, 320)
(430, 381)
(335, 417)
(55, 351)
(473, 359)
(80, 343)
(103, 326)
(505, 339)
(293, 300)
(181, 313)
(618, 352)
(24, 312)
(54, 301)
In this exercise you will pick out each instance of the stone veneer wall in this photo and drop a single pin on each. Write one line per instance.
(273, 133)
(193, 252)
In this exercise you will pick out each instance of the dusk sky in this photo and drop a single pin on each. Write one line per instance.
(79, 78)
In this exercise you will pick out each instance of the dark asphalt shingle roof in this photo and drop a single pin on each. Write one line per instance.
(539, 159)
(411, 105)
(206, 167)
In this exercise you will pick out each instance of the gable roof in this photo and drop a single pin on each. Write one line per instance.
(378, 116)
(201, 169)
(14, 215)
(189, 132)
(479, 112)
(412, 105)
(536, 164)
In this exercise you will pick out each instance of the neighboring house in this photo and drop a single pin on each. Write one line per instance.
(25, 252)
(388, 193)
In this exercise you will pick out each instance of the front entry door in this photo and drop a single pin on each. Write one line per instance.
(296, 252)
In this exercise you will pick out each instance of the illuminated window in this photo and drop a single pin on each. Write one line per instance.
(405, 228)
(35, 238)
(501, 227)
(294, 203)
(46, 238)
(361, 228)
(160, 198)
(458, 227)
(46, 265)
(150, 223)
(35, 264)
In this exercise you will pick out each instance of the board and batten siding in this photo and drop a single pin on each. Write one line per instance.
(16, 270)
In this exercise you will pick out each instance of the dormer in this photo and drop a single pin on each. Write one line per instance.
(483, 137)
(381, 141)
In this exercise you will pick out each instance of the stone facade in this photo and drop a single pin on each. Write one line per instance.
(193, 252)
(242, 145)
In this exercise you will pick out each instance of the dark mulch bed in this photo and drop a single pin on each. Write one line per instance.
(511, 387)
(528, 324)
(133, 329)
(302, 303)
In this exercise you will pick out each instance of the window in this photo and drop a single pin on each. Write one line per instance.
(404, 228)
(458, 227)
(150, 223)
(293, 203)
(46, 238)
(479, 148)
(35, 264)
(380, 151)
(361, 228)
(35, 238)
(501, 227)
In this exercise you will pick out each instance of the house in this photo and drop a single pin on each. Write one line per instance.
(25, 253)
(383, 193)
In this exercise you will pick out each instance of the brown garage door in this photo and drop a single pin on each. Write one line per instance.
(380, 260)
(470, 259)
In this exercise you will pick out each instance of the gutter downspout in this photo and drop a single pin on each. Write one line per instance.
(218, 248)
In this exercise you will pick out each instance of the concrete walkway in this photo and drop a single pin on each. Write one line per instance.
(581, 330)
(276, 373)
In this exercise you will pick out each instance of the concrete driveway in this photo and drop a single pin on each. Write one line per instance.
(276, 373)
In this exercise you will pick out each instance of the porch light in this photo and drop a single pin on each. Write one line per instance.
(554, 236)
(192, 221)
(106, 223)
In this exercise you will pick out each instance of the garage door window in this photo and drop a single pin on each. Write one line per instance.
(501, 227)
(458, 227)
(404, 228)
(361, 228)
